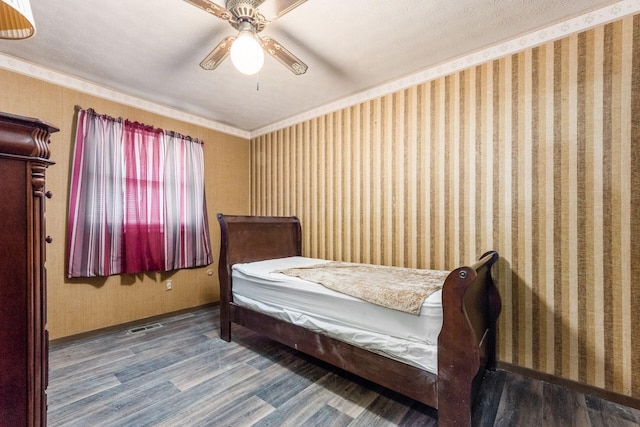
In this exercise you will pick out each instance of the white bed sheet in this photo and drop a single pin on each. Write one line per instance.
(401, 336)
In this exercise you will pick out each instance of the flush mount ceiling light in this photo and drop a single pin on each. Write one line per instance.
(16, 19)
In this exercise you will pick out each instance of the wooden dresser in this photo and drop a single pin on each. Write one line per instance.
(24, 157)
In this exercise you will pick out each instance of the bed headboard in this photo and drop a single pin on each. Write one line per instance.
(254, 238)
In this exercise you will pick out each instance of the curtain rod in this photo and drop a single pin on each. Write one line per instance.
(172, 133)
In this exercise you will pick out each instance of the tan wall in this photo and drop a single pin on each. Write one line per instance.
(80, 305)
(536, 155)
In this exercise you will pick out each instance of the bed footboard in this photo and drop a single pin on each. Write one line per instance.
(466, 344)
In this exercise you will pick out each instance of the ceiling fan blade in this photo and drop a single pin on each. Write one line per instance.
(218, 54)
(285, 57)
(212, 8)
(273, 9)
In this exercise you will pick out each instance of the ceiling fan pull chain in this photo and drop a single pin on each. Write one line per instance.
(258, 82)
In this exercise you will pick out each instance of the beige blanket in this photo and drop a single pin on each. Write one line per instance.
(403, 289)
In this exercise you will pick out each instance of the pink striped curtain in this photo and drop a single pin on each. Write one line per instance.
(137, 200)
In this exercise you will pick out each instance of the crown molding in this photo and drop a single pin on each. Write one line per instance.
(61, 79)
(553, 32)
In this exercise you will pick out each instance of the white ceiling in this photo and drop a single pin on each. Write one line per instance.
(151, 49)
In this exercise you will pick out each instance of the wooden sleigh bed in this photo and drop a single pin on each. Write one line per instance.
(465, 345)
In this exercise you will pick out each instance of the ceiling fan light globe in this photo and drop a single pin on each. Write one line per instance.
(247, 54)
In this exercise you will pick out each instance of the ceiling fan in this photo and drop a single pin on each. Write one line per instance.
(244, 16)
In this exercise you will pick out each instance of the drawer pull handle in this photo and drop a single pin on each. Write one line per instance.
(48, 239)
(49, 194)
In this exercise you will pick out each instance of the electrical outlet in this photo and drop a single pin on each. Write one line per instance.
(169, 285)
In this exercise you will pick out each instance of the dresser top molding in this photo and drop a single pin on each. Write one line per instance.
(24, 136)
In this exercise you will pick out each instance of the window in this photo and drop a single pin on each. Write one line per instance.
(137, 200)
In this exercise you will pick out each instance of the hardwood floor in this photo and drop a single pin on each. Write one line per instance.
(182, 374)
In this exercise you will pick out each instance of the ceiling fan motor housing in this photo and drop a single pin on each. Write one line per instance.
(246, 11)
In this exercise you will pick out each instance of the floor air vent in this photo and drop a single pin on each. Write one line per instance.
(144, 328)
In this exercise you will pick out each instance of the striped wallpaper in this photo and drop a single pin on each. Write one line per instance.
(536, 155)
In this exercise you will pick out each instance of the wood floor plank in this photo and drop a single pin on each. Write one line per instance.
(182, 374)
(351, 397)
(564, 408)
(296, 381)
(236, 384)
(238, 413)
(81, 387)
(328, 416)
(110, 406)
(310, 406)
(488, 399)
(82, 357)
(193, 371)
(235, 413)
(207, 395)
(623, 412)
(420, 415)
(99, 364)
(383, 411)
(296, 412)
(607, 419)
(309, 403)
(520, 403)
(390, 409)
(153, 360)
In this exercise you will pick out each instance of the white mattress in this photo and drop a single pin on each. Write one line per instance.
(401, 336)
